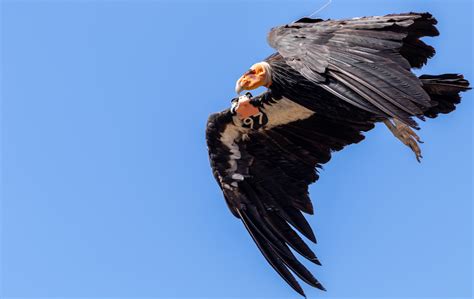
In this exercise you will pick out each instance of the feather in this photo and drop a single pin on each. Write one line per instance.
(346, 75)
(365, 60)
(270, 255)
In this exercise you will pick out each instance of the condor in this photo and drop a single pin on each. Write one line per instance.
(329, 82)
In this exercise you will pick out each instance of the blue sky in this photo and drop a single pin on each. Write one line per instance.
(106, 187)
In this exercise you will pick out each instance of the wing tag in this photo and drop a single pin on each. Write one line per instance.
(255, 121)
(251, 116)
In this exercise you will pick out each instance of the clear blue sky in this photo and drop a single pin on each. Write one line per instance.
(106, 187)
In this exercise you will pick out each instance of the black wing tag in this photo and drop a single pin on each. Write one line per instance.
(255, 121)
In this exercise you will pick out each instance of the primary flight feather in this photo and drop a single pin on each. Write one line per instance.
(328, 82)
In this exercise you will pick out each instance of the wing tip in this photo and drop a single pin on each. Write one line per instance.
(316, 261)
(321, 287)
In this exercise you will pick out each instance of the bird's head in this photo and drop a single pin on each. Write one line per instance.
(258, 75)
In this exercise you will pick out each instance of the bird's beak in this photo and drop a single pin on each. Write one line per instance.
(238, 87)
(255, 77)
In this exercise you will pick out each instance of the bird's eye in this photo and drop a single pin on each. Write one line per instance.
(248, 94)
(234, 100)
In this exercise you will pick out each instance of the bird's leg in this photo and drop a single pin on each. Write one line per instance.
(406, 135)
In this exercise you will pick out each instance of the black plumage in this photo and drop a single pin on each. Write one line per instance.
(330, 82)
(275, 192)
(365, 62)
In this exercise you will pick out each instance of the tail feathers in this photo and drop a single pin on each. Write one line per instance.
(444, 92)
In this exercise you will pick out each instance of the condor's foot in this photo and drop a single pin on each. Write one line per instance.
(406, 135)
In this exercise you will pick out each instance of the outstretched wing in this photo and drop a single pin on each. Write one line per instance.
(265, 175)
(370, 59)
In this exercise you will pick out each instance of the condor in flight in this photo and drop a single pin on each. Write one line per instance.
(328, 82)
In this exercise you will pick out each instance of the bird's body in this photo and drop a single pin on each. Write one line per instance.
(290, 84)
(329, 82)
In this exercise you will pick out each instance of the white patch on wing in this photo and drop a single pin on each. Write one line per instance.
(231, 134)
(238, 177)
(284, 111)
(279, 113)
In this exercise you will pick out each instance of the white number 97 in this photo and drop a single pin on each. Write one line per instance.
(255, 121)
